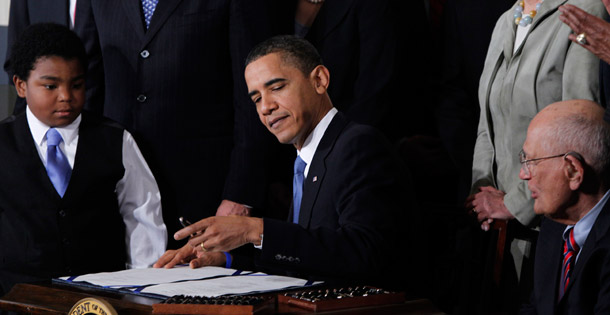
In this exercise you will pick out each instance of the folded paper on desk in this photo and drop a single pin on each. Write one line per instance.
(206, 281)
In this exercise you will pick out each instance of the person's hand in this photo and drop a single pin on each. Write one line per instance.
(193, 255)
(596, 30)
(228, 207)
(175, 257)
(222, 233)
(217, 259)
(488, 204)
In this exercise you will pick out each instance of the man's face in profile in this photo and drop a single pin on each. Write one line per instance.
(546, 179)
(284, 98)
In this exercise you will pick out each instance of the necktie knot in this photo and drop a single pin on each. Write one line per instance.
(53, 137)
(299, 165)
(571, 244)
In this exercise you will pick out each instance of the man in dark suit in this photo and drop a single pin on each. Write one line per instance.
(565, 161)
(174, 78)
(357, 42)
(350, 222)
(24, 13)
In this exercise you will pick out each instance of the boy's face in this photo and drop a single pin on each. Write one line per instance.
(55, 90)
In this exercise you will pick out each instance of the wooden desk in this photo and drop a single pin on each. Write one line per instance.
(55, 299)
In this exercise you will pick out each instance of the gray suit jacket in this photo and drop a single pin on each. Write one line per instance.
(547, 68)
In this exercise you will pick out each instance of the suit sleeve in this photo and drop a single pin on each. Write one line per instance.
(246, 181)
(362, 191)
(377, 53)
(87, 31)
(19, 20)
(602, 306)
(484, 152)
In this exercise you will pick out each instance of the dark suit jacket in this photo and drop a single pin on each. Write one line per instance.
(589, 289)
(356, 41)
(179, 88)
(24, 13)
(353, 223)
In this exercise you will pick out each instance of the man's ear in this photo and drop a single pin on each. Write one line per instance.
(20, 86)
(574, 170)
(320, 77)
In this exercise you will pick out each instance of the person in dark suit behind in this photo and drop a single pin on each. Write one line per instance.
(356, 41)
(74, 14)
(349, 223)
(76, 195)
(174, 79)
(566, 161)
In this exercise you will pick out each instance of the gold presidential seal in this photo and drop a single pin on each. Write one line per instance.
(88, 306)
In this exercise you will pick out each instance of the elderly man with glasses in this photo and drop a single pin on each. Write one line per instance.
(566, 161)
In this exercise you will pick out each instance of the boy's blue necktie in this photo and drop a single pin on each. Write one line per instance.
(58, 168)
(297, 187)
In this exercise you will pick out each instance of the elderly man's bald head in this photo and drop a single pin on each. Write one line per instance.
(568, 153)
(575, 125)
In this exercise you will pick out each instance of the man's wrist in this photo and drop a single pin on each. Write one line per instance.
(259, 246)
(256, 232)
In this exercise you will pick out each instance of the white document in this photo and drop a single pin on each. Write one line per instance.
(242, 284)
(149, 276)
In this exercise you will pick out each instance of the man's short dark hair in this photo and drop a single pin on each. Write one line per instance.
(295, 51)
(45, 40)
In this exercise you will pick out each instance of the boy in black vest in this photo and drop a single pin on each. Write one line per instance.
(76, 195)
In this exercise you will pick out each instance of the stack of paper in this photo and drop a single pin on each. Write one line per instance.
(206, 281)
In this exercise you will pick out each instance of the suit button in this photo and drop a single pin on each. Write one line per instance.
(141, 98)
(278, 257)
(297, 260)
(62, 213)
(144, 53)
(290, 259)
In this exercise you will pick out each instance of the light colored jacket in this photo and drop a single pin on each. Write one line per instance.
(514, 87)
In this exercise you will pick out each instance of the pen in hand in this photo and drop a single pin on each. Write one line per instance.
(184, 222)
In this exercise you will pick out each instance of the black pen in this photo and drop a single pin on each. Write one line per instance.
(184, 222)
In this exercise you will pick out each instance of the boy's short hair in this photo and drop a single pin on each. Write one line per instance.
(45, 40)
(293, 50)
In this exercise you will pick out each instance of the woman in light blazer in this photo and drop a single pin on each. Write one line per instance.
(529, 65)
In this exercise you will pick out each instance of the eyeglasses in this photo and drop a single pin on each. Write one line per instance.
(526, 164)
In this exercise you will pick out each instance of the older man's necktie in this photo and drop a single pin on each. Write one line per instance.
(148, 7)
(570, 251)
(58, 168)
(297, 187)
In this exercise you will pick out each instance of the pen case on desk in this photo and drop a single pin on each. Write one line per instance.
(222, 305)
(340, 298)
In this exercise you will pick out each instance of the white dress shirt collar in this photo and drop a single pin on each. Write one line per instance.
(68, 133)
(311, 143)
(39, 129)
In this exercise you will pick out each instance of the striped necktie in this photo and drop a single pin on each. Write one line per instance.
(148, 7)
(570, 251)
(58, 168)
(297, 187)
